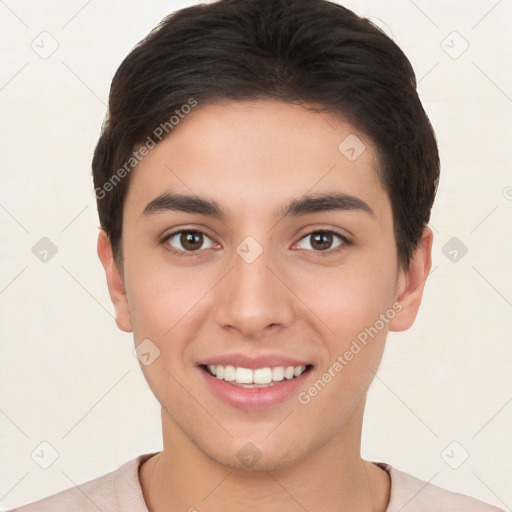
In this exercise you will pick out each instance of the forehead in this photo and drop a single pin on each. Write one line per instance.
(253, 156)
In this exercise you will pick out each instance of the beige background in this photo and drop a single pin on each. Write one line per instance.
(68, 376)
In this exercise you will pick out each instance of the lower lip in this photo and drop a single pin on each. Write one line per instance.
(255, 399)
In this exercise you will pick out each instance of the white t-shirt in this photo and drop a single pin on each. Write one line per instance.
(120, 491)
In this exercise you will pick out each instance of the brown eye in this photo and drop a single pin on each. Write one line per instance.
(322, 241)
(191, 241)
(188, 241)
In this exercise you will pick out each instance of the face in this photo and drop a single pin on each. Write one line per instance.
(254, 243)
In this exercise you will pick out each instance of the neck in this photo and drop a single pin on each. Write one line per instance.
(332, 477)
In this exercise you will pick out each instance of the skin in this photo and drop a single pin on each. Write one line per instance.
(297, 298)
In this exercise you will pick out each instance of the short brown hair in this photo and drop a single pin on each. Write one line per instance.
(300, 51)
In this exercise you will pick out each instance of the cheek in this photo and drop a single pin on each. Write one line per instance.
(357, 306)
(351, 297)
(164, 299)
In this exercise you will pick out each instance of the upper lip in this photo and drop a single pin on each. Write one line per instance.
(261, 361)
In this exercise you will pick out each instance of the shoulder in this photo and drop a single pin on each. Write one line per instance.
(410, 494)
(113, 491)
(90, 496)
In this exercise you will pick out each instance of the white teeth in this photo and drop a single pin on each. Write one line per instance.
(243, 375)
(262, 376)
(289, 372)
(229, 373)
(255, 378)
(278, 373)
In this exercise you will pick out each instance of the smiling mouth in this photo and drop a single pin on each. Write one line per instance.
(255, 378)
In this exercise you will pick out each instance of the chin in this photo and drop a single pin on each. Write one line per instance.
(251, 457)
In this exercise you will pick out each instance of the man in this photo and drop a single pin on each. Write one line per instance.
(264, 179)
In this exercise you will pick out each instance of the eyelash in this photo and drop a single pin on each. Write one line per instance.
(345, 242)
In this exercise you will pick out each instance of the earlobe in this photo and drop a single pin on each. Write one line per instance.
(114, 282)
(411, 283)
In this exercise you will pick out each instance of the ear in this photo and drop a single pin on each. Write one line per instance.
(115, 282)
(411, 283)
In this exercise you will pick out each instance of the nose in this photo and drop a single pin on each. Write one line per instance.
(254, 298)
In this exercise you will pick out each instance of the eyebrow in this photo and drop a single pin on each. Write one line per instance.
(307, 204)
